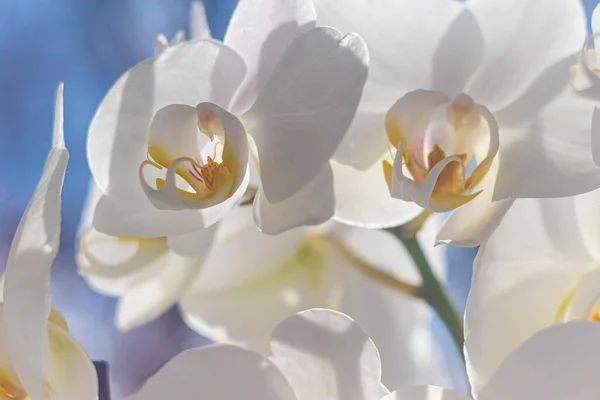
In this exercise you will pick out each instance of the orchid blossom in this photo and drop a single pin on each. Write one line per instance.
(541, 267)
(173, 142)
(249, 281)
(466, 107)
(30, 331)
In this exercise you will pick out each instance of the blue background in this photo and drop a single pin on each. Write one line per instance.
(88, 44)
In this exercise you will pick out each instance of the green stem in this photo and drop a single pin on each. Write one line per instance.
(434, 293)
(374, 273)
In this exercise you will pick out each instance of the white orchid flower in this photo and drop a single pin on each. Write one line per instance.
(558, 363)
(315, 354)
(455, 87)
(539, 268)
(30, 331)
(169, 145)
(249, 281)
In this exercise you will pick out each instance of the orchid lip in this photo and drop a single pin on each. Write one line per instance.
(433, 152)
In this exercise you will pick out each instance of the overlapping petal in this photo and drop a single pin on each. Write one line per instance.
(301, 116)
(521, 276)
(325, 354)
(312, 205)
(362, 198)
(545, 35)
(188, 74)
(557, 363)
(219, 373)
(261, 31)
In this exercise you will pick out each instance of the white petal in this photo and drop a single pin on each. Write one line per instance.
(324, 354)
(587, 213)
(196, 244)
(518, 292)
(557, 363)
(596, 136)
(550, 156)
(34, 247)
(261, 31)
(399, 325)
(199, 28)
(518, 52)
(251, 281)
(425, 393)
(458, 55)
(362, 198)
(190, 73)
(306, 107)
(71, 373)
(411, 115)
(119, 219)
(365, 140)
(387, 26)
(312, 205)
(474, 222)
(262, 254)
(217, 373)
(402, 36)
(543, 91)
(147, 299)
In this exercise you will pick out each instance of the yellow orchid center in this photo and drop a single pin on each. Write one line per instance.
(203, 172)
(10, 390)
(452, 133)
(594, 314)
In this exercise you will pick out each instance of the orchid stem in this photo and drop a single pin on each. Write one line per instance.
(432, 291)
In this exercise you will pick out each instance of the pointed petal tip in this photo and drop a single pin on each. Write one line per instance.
(58, 138)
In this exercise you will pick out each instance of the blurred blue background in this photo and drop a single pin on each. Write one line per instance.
(88, 44)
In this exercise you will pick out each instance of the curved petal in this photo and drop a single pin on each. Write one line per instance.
(458, 55)
(71, 374)
(199, 28)
(189, 73)
(399, 64)
(364, 142)
(251, 281)
(520, 291)
(425, 393)
(362, 198)
(261, 31)
(551, 156)
(196, 244)
(523, 38)
(331, 352)
(587, 213)
(557, 363)
(410, 116)
(215, 185)
(306, 107)
(312, 205)
(474, 222)
(399, 325)
(217, 373)
(32, 253)
(145, 300)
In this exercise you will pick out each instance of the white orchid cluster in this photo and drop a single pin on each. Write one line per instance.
(283, 183)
